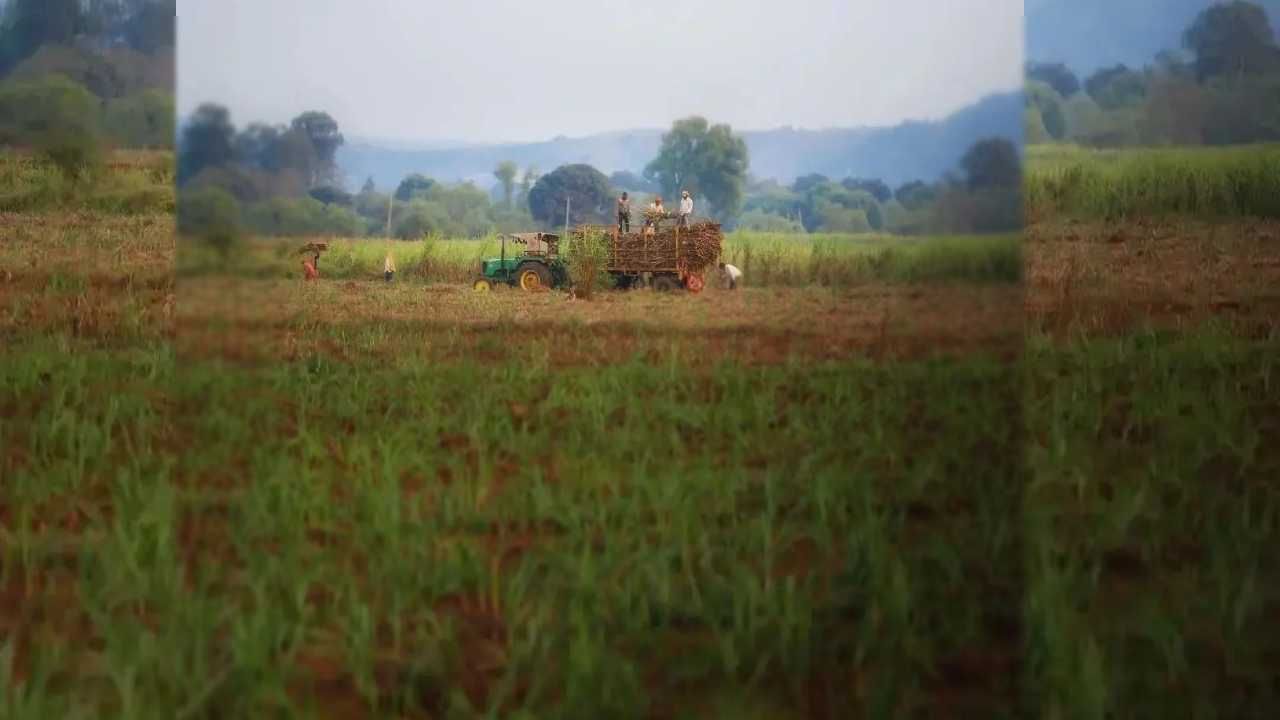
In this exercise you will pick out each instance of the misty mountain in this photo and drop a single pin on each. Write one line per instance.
(1091, 34)
(912, 150)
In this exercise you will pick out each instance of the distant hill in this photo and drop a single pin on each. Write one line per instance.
(912, 150)
(1091, 34)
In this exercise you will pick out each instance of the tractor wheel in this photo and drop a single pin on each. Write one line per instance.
(665, 283)
(533, 276)
(482, 285)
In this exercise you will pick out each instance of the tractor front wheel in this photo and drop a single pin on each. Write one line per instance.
(533, 276)
(482, 285)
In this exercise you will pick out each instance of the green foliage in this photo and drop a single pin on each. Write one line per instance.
(33, 109)
(587, 256)
(915, 195)
(33, 184)
(324, 138)
(415, 185)
(1048, 104)
(586, 189)
(1233, 39)
(1055, 75)
(1116, 87)
(767, 222)
(206, 141)
(1114, 184)
(300, 217)
(992, 163)
(707, 160)
(212, 215)
(75, 154)
(144, 120)
(877, 188)
(506, 175)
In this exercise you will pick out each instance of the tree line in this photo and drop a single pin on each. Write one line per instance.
(1220, 88)
(77, 76)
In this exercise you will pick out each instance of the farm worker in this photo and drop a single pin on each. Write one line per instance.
(655, 211)
(309, 270)
(731, 275)
(686, 208)
(388, 267)
(624, 213)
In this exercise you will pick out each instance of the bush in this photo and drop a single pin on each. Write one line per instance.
(76, 155)
(760, 221)
(587, 257)
(211, 214)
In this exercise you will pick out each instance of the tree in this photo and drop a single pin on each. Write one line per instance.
(40, 22)
(144, 120)
(152, 26)
(33, 109)
(1232, 39)
(1048, 103)
(322, 130)
(585, 188)
(992, 163)
(331, 195)
(915, 195)
(211, 214)
(368, 186)
(206, 141)
(804, 183)
(631, 182)
(1116, 87)
(526, 184)
(1056, 75)
(707, 160)
(256, 146)
(506, 174)
(413, 186)
(878, 189)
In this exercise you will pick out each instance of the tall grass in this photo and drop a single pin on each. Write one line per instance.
(766, 259)
(129, 183)
(1114, 184)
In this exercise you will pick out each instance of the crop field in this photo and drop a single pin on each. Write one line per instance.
(909, 492)
(768, 260)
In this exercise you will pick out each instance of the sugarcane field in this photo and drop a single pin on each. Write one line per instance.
(390, 382)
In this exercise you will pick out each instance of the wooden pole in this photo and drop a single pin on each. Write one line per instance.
(390, 201)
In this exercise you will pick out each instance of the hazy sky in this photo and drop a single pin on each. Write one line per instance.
(508, 70)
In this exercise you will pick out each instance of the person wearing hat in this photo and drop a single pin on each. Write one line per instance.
(686, 208)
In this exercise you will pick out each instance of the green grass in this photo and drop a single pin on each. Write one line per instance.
(1152, 515)
(1117, 184)
(766, 259)
(136, 183)
(619, 537)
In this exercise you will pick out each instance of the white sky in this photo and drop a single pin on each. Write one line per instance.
(526, 70)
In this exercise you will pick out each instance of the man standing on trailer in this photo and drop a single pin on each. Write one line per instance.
(624, 213)
(686, 208)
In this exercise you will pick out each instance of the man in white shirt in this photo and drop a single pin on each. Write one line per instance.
(686, 208)
(730, 275)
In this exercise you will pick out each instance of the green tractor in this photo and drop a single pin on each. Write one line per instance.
(536, 265)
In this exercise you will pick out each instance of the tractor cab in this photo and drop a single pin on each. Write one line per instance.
(529, 261)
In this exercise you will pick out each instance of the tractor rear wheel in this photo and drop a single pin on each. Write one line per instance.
(533, 276)
(665, 283)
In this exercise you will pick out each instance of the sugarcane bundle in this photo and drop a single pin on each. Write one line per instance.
(312, 248)
(694, 248)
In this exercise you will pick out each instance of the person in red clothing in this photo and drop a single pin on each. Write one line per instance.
(310, 268)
